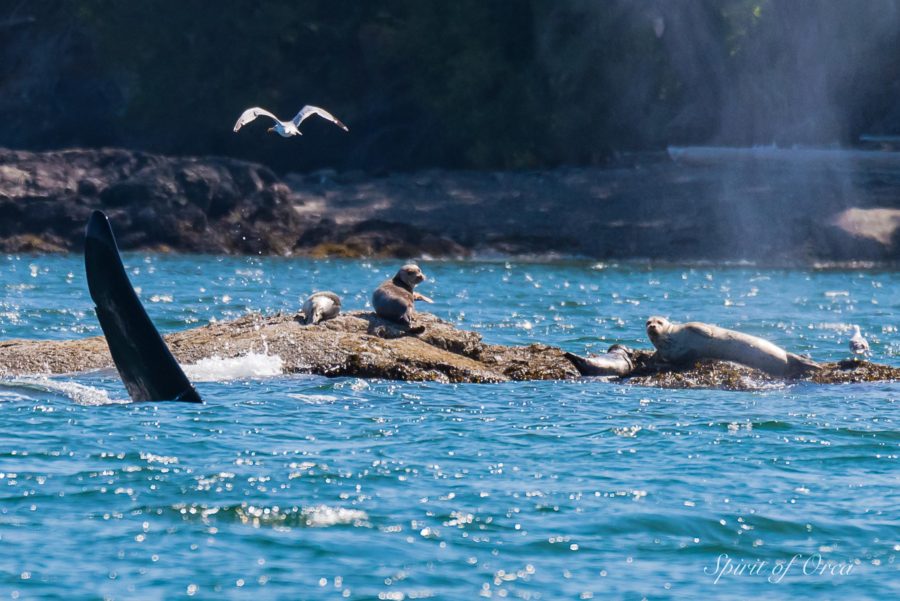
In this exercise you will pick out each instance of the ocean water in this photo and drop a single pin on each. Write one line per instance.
(302, 487)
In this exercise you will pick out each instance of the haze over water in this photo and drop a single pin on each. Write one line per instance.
(306, 487)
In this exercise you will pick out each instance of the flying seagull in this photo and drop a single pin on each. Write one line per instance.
(287, 129)
(858, 344)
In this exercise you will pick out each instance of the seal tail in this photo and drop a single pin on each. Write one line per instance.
(613, 363)
(801, 366)
(580, 363)
(144, 362)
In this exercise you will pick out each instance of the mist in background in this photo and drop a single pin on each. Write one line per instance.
(467, 84)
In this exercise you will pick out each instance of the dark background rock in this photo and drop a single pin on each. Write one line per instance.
(645, 206)
(212, 205)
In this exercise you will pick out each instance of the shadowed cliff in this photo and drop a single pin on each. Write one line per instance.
(650, 208)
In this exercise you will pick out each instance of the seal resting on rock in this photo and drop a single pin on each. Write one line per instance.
(395, 299)
(688, 342)
(321, 306)
(616, 362)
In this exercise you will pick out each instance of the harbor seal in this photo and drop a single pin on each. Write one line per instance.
(616, 362)
(394, 299)
(321, 306)
(688, 342)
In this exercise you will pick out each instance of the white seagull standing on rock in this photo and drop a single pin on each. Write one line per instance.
(287, 129)
(858, 344)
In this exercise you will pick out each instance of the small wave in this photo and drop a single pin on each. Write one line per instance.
(316, 516)
(80, 393)
(627, 431)
(164, 459)
(322, 516)
(251, 365)
(834, 326)
(759, 384)
(315, 399)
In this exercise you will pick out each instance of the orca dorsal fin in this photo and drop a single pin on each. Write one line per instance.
(147, 367)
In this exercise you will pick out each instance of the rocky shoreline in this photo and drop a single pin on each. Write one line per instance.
(360, 344)
(645, 207)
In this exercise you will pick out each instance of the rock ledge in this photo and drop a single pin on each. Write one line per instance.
(360, 344)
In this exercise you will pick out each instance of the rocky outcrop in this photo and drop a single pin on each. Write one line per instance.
(360, 344)
(211, 205)
(356, 344)
(185, 204)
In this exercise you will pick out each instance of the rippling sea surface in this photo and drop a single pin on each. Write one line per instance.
(302, 487)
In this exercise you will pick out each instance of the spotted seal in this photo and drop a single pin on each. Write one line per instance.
(321, 306)
(688, 342)
(394, 299)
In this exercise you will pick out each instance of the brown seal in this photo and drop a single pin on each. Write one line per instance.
(688, 342)
(395, 299)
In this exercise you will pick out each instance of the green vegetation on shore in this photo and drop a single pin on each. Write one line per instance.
(464, 84)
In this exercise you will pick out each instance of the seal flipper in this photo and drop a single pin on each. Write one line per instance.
(145, 364)
(616, 362)
(583, 366)
(799, 366)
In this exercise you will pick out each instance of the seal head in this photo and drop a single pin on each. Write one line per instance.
(658, 329)
(395, 299)
(409, 277)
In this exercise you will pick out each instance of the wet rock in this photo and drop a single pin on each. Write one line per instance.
(357, 344)
(854, 370)
(29, 243)
(532, 362)
(724, 375)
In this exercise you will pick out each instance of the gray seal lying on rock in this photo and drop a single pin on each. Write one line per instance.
(684, 343)
(616, 362)
(321, 306)
(395, 299)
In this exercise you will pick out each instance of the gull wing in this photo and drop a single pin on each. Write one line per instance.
(309, 109)
(251, 114)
